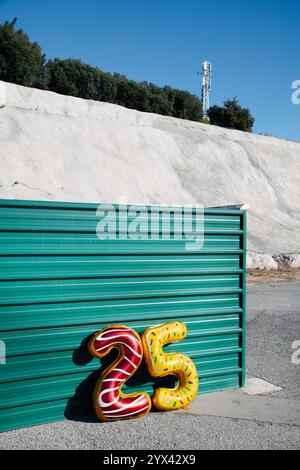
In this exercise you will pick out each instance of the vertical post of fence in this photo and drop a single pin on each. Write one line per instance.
(244, 287)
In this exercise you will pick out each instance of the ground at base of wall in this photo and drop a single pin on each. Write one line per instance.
(282, 274)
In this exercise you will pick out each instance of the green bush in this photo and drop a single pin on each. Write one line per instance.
(231, 116)
(73, 77)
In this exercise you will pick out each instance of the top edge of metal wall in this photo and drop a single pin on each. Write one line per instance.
(234, 209)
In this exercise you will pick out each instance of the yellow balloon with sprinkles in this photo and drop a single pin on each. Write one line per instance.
(161, 364)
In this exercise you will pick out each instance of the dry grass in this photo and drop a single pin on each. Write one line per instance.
(283, 274)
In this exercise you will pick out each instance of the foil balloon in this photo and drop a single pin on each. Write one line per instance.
(161, 364)
(109, 402)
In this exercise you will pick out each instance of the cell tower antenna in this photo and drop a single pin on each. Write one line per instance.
(206, 86)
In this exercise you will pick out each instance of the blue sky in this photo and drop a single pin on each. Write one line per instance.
(254, 46)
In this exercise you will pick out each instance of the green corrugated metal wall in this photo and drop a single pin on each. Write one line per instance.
(59, 284)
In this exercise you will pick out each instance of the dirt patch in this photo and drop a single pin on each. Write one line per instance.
(283, 274)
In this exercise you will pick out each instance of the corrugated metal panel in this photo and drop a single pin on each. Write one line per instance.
(59, 284)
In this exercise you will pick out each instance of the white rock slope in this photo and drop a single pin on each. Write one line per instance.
(54, 147)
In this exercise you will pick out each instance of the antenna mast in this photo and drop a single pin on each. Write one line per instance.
(206, 86)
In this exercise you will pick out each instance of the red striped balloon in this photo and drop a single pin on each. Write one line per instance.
(109, 402)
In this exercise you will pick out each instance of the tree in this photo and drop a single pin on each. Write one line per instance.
(187, 106)
(21, 61)
(107, 88)
(159, 100)
(231, 116)
(73, 77)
